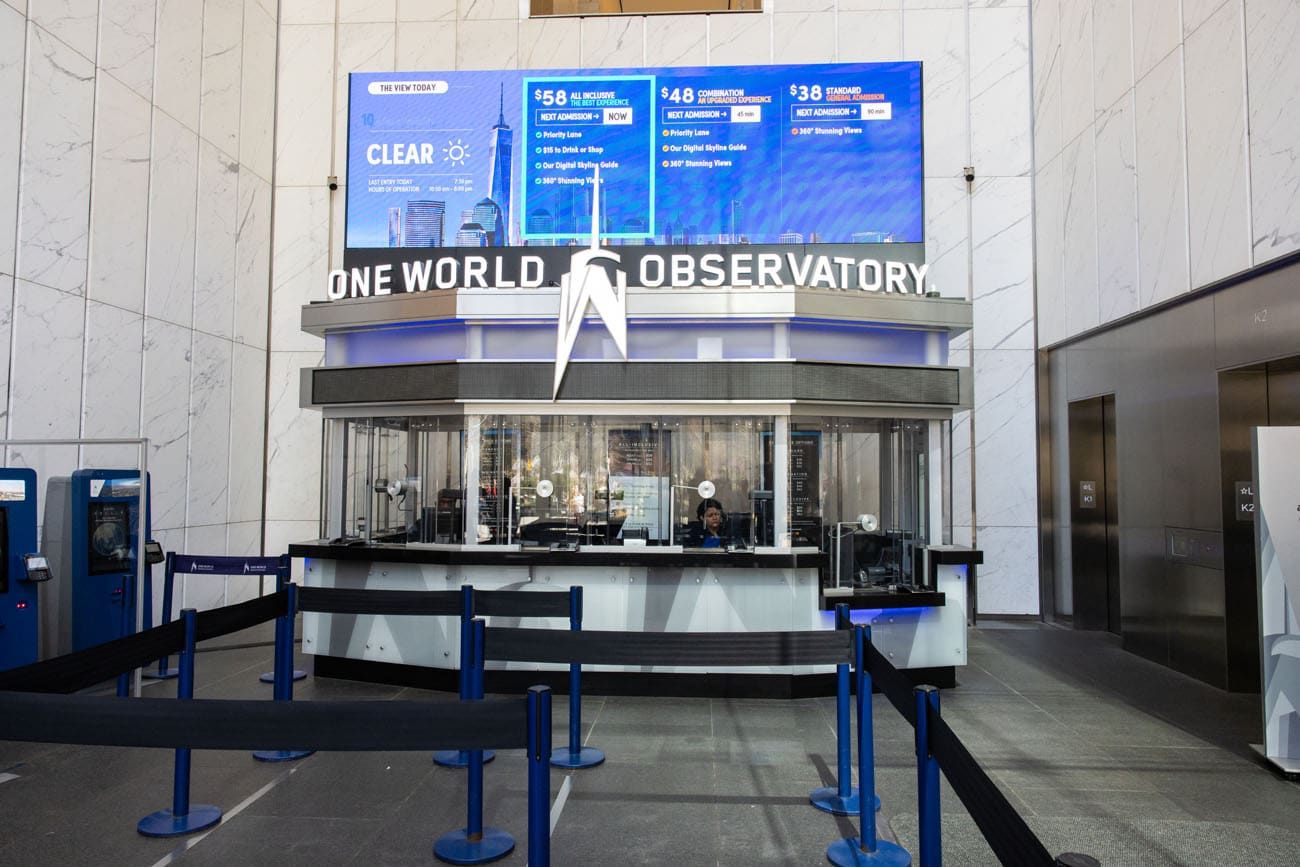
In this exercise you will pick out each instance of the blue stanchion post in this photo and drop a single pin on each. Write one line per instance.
(283, 572)
(183, 817)
(842, 798)
(164, 671)
(575, 755)
(474, 844)
(284, 671)
(126, 627)
(539, 776)
(927, 778)
(460, 758)
(865, 848)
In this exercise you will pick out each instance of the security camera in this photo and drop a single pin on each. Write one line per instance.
(332, 182)
(969, 172)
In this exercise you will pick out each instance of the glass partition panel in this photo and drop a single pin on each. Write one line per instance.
(728, 452)
(439, 459)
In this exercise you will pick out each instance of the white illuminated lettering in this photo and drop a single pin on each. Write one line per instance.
(741, 265)
(845, 264)
(683, 270)
(360, 283)
(822, 273)
(711, 265)
(416, 275)
(530, 272)
(374, 154)
(895, 274)
(444, 273)
(475, 272)
(869, 284)
(918, 276)
(658, 279)
(800, 274)
(384, 279)
(426, 152)
(338, 285)
(769, 269)
(501, 282)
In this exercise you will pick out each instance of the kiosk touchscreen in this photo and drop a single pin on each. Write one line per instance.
(91, 531)
(19, 612)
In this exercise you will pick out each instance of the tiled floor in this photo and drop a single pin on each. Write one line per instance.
(1102, 753)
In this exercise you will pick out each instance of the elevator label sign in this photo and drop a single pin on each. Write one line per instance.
(1244, 493)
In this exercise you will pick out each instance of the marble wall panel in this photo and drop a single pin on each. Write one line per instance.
(6, 334)
(45, 370)
(426, 10)
(486, 45)
(546, 43)
(676, 40)
(1117, 265)
(359, 47)
(126, 40)
(870, 36)
(781, 7)
(220, 73)
(179, 61)
(1156, 32)
(169, 272)
(203, 591)
(74, 22)
(300, 261)
(165, 417)
(1162, 191)
(294, 442)
(54, 192)
(111, 406)
(1000, 92)
(947, 247)
(1273, 82)
(307, 11)
(1006, 479)
(802, 37)
(1076, 69)
(962, 480)
(12, 56)
(214, 258)
(740, 39)
(244, 539)
(119, 199)
(281, 534)
(252, 258)
(1112, 51)
(869, 5)
(613, 41)
(488, 10)
(1218, 188)
(258, 95)
(937, 37)
(247, 433)
(1197, 12)
(1002, 264)
(210, 393)
(1045, 18)
(358, 11)
(429, 44)
(1082, 307)
(1008, 580)
(1049, 258)
(303, 137)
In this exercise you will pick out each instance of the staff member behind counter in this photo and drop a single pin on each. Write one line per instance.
(712, 529)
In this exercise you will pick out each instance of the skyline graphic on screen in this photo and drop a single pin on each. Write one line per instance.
(702, 155)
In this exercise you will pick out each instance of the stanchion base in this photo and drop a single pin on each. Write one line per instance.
(828, 800)
(164, 824)
(163, 674)
(269, 676)
(459, 758)
(281, 755)
(586, 757)
(457, 848)
(848, 853)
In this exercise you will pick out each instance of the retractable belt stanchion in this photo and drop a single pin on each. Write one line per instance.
(460, 758)
(283, 569)
(164, 671)
(183, 817)
(284, 671)
(575, 755)
(475, 844)
(927, 779)
(842, 798)
(865, 848)
(539, 776)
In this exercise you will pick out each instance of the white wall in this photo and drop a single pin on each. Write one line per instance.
(1166, 140)
(135, 201)
(977, 105)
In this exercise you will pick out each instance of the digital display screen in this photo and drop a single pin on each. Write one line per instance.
(827, 153)
(109, 542)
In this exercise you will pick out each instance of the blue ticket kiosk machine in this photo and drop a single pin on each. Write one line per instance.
(21, 568)
(91, 534)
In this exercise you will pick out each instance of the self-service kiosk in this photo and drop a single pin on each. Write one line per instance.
(91, 531)
(22, 568)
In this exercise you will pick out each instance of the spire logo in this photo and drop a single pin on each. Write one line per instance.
(587, 284)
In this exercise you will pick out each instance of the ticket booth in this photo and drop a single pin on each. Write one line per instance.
(22, 568)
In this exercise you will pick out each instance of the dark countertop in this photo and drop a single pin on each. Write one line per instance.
(612, 555)
(872, 599)
(955, 555)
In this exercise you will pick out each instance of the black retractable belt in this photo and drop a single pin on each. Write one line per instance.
(893, 683)
(232, 618)
(520, 603)
(344, 601)
(84, 668)
(669, 648)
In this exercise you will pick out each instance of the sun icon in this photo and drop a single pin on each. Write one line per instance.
(456, 152)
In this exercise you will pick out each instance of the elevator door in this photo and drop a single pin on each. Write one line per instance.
(1094, 514)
